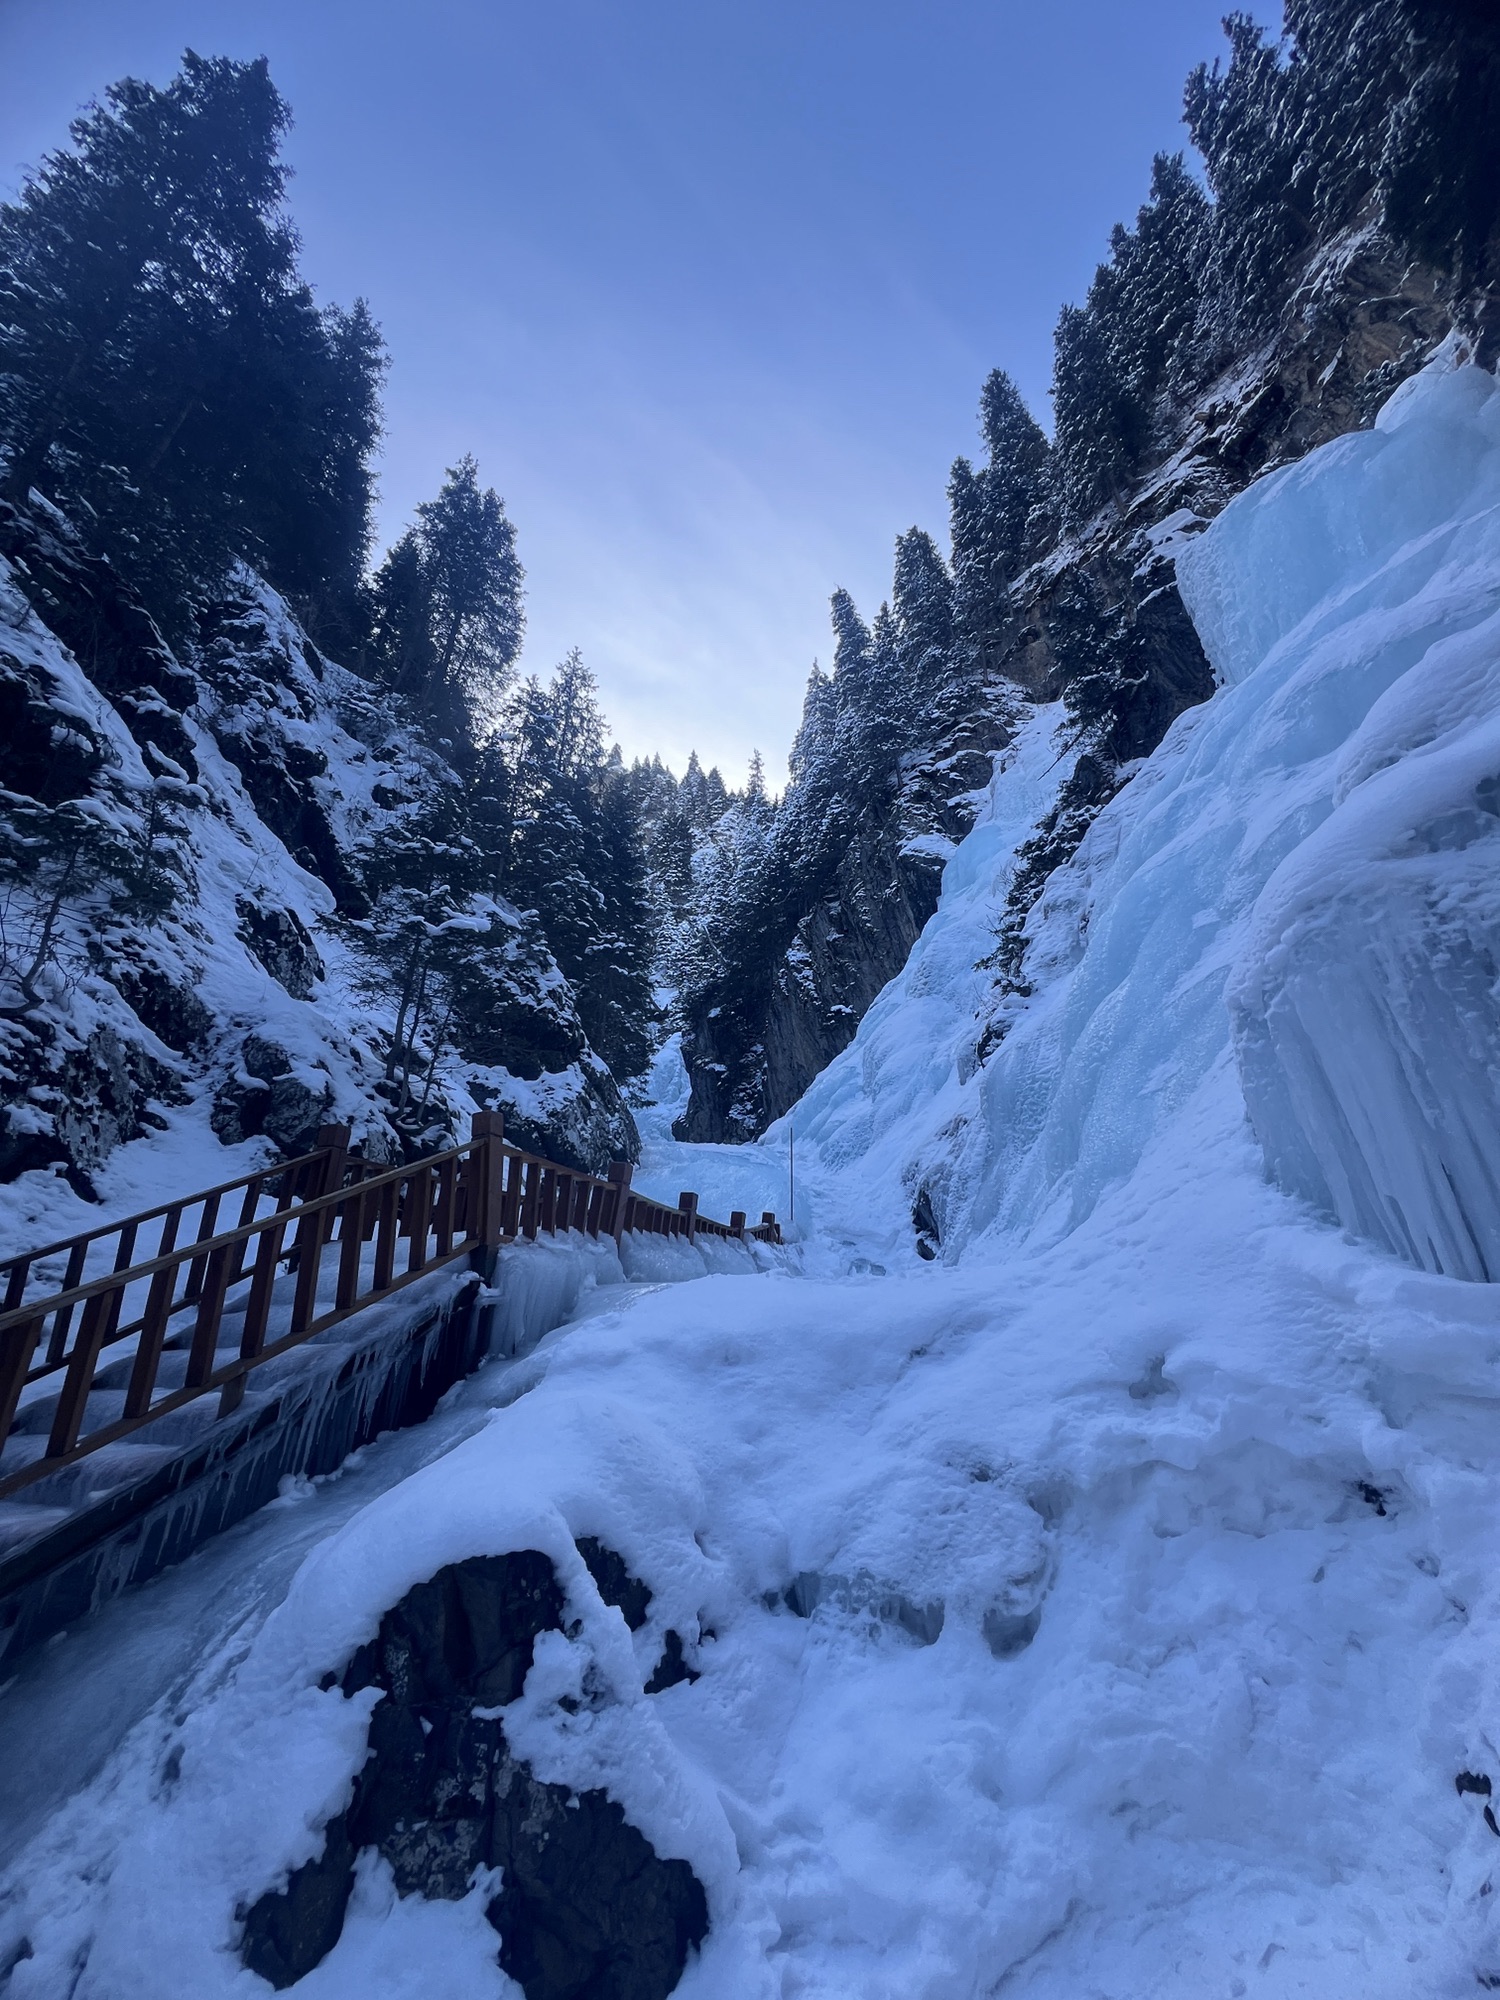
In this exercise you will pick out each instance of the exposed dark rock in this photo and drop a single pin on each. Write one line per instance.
(1374, 1496)
(1009, 1633)
(293, 812)
(671, 1669)
(284, 946)
(106, 1087)
(751, 1061)
(87, 603)
(586, 1908)
(924, 1222)
(44, 754)
(614, 1582)
(286, 1935)
(1153, 1384)
(266, 1095)
(467, 1634)
(173, 1012)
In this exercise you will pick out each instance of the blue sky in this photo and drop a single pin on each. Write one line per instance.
(708, 289)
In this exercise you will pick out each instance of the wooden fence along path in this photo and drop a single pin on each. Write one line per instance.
(312, 1241)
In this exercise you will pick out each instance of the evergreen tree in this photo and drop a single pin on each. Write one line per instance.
(164, 371)
(922, 614)
(421, 876)
(814, 739)
(1154, 284)
(448, 615)
(998, 518)
(1095, 422)
(1017, 476)
(1244, 119)
(715, 793)
(616, 1002)
(1117, 353)
(578, 861)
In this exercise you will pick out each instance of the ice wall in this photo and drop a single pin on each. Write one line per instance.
(1363, 1001)
(1311, 856)
(907, 1075)
(1294, 903)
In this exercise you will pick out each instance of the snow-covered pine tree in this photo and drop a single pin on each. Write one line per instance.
(922, 613)
(815, 732)
(1130, 340)
(421, 877)
(577, 860)
(165, 373)
(448, 611)
(1097, 424)
(999, 519)
(616, 1001)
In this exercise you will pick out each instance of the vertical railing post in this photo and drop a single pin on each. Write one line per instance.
(737, 1222)
(531, 1199)
(333, 1142)
(67, 1419)
(515, 1189)
(620, 1172)
(418, 1214)
(152, 1336)
(488, 1135)
(594, 1215)
(17, 1345)
(768, 1224)
(487, 1208)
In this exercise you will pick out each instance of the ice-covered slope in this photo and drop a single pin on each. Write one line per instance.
(1318, 847)
(903, 1082)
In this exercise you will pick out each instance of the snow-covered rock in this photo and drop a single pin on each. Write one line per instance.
(200, 832)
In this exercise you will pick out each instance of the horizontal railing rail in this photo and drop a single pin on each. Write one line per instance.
(330, 1213)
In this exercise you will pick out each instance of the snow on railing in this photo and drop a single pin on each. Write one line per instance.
(295, 1220)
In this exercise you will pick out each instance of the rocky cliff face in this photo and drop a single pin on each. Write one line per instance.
(1097, 623)
(182, 846)
(748, 1065)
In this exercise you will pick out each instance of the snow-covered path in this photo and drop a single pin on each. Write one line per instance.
(1216, 1601)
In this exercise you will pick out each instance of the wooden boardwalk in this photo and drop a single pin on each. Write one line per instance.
(128, 1328)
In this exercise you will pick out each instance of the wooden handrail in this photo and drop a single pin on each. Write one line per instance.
(467, 1201)
(273, 1171)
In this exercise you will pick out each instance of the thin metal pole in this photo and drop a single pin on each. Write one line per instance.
(791, 1173)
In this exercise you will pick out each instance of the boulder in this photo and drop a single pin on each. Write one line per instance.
(586, 1908)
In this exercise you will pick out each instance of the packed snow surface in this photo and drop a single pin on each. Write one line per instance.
(1109, 1608)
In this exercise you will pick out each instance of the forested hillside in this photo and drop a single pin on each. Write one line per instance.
(238, 875)
(489, 905)
(1335, 221)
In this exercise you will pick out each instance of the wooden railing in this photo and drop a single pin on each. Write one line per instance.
(317, 1239)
